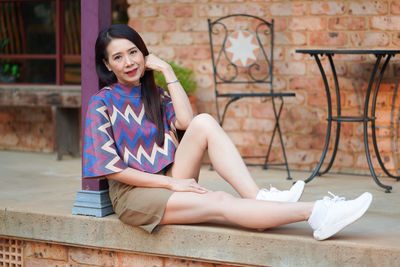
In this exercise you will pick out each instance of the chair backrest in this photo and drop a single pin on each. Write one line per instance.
(242, 49)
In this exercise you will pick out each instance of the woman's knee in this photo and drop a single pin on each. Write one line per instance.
(221, 197)
(203, 122)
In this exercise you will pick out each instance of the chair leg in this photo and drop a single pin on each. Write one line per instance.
(221, 122)
(277, 128)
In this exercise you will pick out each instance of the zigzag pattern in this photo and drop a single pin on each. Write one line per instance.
(118, 134)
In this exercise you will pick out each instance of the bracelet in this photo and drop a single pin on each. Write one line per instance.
(176, 81)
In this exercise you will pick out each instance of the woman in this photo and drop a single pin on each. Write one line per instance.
(129, 138)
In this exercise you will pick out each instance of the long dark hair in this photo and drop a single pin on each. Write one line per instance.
(150, 95)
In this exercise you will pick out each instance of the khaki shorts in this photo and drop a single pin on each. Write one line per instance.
(139, 206)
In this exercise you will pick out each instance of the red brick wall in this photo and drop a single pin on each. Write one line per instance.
(177, 30)
(26, 128)
(34, 254)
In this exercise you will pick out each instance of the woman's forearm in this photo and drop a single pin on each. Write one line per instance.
(138, 178)
(182, 106)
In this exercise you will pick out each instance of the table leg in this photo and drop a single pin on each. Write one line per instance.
(373, 128)
(329, 119)
(338, 113)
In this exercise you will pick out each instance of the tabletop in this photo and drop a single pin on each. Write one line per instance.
(348, 51)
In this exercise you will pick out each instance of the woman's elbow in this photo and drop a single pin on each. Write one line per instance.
(184, 124)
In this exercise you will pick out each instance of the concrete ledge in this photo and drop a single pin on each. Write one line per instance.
(207, 242)
(43, 95)
(37, 194)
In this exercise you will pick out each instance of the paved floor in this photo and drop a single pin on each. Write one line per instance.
(38, 183)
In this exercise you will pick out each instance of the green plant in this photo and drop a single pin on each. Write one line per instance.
(184, 75)
(9, 72)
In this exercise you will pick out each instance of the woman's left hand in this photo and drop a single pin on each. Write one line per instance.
(152, 62)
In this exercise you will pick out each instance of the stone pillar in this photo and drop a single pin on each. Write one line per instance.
(93, 199)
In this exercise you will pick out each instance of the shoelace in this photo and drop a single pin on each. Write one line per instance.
(334, 198)
(273, 189)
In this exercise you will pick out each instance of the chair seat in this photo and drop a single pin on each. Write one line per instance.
(277, 94)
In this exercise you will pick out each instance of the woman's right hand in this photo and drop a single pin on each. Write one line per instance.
(186, 185)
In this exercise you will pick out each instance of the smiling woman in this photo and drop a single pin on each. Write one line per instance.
(130, 138)
(125, 61)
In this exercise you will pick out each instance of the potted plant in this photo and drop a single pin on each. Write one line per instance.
(185, 77)
(9, 72)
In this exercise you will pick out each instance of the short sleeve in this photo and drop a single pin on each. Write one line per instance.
(169, 108)
(100, 157)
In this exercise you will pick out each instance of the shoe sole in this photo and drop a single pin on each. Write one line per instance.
(296, 198)
(319, 235)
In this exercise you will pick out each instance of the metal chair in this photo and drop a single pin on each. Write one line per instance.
(242, 54)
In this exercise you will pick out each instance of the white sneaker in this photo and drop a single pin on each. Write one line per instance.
(273, 194)
(330, 215)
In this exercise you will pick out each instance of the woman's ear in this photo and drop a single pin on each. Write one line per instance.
(106, 64)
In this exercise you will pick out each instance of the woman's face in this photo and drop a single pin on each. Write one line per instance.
(126, 61)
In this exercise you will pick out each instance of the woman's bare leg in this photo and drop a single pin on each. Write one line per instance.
(205, 133)
(188, 207)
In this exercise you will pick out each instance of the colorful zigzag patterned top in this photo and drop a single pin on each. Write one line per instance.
(119, 135)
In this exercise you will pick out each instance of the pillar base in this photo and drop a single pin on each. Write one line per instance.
(92, 203)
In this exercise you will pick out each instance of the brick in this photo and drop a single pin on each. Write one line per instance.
(385, 23)
(279, 84)
(178, 38)
(249, 8)
(395, 8)
(361, 70)
(159, 1)
(136, 11)
(288, 9)
(292, 68)
(368, 7)
(243, 139)
(190, 52)
(306, 83)
(280, 24)
(327, 8)
(353, 100)
(194, 25)
(134, 260)
(396, 69)
(238, 110)
(328, 39)
(204, 67)
(232, 124)
(185, 263)
(340, 67)
(164, 52)
(160, 25)
(204, 81)
(91, 256)
(344, 159)
(371, 39)
(300, 157)
(32, 262)
(307, 24)
(260, 125)
(383, 115)
(290, 38)
(347, 23)
(151, 38)
(213, 10)
(352, 144)
(135, 24)
(207, 95)
(262, 111)
(201, 38)
(46, 250)
(178, 11)
(306, 143)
